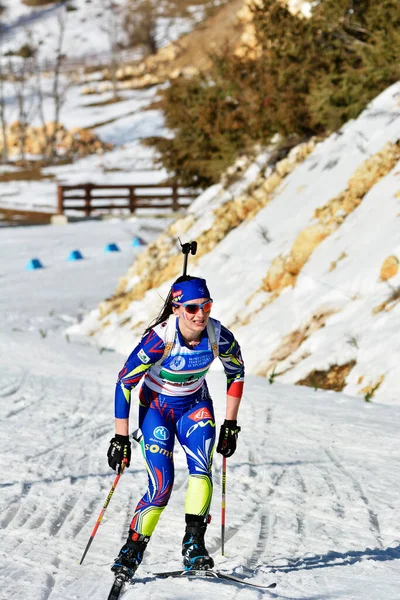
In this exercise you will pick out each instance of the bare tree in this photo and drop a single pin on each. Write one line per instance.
(59, 89)
(148, 23)
(21, 72)
(40, 96)
(3, 11)
(3, 119)
(59, 85)
(140, 25)
(112, 28)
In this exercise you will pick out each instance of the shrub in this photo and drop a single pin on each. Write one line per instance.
(26, 51)
(364, 62)
(326, 69)
(214, 117)
(310, 76)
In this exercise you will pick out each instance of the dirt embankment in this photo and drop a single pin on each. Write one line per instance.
(186, 56)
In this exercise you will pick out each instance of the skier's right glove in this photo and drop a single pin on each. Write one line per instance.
(120, 448)
(227, 438)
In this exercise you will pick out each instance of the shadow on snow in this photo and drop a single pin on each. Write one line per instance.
(337, 559)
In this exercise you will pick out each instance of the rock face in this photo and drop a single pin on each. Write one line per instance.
(329, 218)
(74, 142)
(304, 245)
(390, 268)
(278, 276)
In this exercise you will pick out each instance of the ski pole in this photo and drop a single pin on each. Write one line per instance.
(103, 510)
(223, 505)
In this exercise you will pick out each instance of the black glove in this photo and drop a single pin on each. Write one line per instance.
(227, 438)
(120, 448)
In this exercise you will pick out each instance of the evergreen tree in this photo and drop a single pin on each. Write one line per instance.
(309, 77)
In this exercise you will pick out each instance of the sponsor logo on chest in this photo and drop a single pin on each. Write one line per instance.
(177, 363)
(183, 362)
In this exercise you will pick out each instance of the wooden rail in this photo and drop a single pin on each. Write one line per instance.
(90, 197)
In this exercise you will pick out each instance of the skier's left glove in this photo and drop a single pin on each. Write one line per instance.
(227, 438)
(120, 449)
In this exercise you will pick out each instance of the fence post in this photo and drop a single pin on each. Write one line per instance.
(60, 200)
(132, 200)
(175, 197)
(88, 198)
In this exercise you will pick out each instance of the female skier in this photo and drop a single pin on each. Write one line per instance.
(174, 356)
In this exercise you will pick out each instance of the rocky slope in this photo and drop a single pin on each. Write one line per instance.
(303, 257)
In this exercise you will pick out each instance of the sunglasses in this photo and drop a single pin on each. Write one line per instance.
(193, 309)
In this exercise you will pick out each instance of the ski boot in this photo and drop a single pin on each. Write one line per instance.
(194, 552)
(130, 555)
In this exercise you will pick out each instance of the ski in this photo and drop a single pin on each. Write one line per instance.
(123, 577)
(120, 579)
(215, 575)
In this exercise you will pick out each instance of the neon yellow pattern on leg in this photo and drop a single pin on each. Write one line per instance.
(198, 495)
(148, 519)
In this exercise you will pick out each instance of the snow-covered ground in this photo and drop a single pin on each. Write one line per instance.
(313, 489)
(89, 28)
(124, 124)
(82, 284)
(129, 162)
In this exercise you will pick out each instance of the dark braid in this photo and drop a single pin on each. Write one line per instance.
(166, 310)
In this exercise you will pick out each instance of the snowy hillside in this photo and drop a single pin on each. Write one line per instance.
(302, 261)
(88, 27)
(88, 102)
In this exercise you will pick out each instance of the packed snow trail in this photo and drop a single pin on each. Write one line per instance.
(314, 484)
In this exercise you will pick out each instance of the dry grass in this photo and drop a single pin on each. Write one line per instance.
(31, 170)
(218, 31)
(332, 379)
(334, 263)
(105, 102)
(25, 175)
(39, 2)
(392, 301)
(23, 217)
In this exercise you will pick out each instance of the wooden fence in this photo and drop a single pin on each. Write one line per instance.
(89, 198)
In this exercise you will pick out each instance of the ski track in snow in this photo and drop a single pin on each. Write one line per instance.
(312, 491)
(289, 490)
